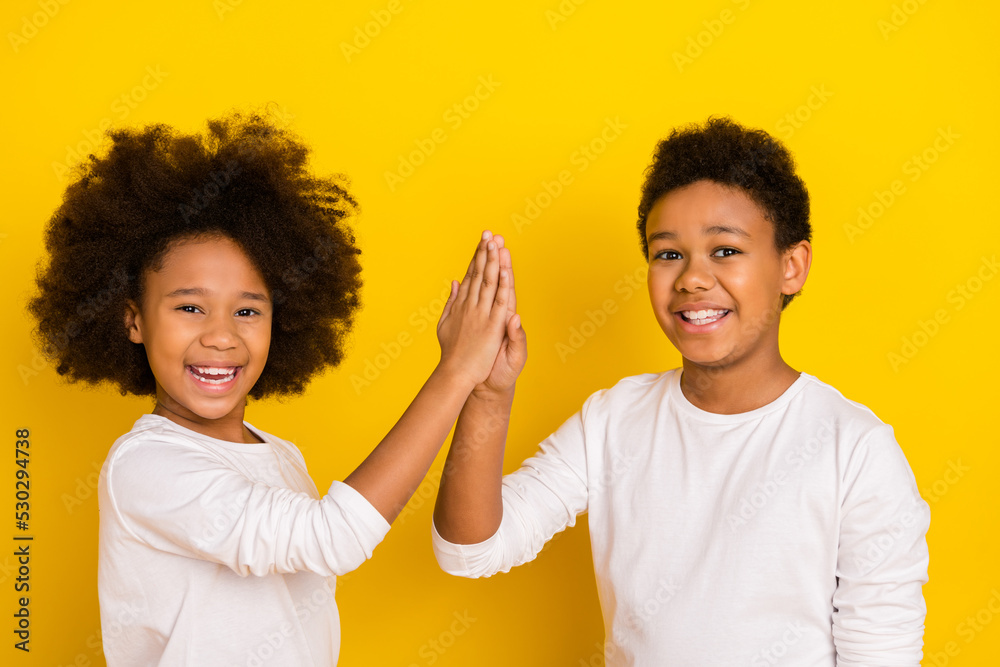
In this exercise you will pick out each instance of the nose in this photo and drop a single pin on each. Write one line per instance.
(695, 275)
(219, 332)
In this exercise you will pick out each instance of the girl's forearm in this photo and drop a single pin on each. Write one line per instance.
(390, 475)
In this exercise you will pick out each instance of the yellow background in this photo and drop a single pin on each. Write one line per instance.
(869, 85)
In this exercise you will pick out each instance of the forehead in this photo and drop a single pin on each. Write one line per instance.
(706, 208)
(214, 264)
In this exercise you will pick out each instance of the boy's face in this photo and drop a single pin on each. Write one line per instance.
(205, 322)
(715, 278)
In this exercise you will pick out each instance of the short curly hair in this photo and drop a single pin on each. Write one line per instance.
(724, 151)
(245, 179)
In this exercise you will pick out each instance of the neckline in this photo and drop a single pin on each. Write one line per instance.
(265, 446)
(690, 409)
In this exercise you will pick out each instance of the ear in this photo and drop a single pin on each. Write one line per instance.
(133, 322)
(797, 261)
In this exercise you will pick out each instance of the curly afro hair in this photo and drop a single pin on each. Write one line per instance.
(726, 152)
(245, 179)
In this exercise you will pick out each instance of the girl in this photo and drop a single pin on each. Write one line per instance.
(226, 270)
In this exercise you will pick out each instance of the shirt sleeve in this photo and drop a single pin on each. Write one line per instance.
(183, 500)
(540, 499)
(879, 610)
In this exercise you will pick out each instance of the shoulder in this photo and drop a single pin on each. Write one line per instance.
(157, 449)
(824, 401)
(151, 451)
(635, 393)
(152, 434)
(146, 461)
(149, 433)
(861, 439)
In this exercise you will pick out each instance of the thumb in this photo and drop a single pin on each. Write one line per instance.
(448, 304)
(515, 332)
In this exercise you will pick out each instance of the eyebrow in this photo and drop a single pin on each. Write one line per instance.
(709, 231)
(201, 291)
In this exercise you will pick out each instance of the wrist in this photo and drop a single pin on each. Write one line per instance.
(453, 376)
(504, 396)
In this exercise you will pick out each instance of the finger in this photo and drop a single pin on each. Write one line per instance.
(501, 308)
(514, 329)
(517, 339)
(449, 302)
(506, 264)
(491, 275)
(467, 281)
(478, 268)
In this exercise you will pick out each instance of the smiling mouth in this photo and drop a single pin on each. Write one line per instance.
(213, 375)
(702, 317)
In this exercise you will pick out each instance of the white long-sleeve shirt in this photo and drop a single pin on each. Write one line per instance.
(220, 553)
(789, 535)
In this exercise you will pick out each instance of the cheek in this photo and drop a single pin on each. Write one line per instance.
(261, 345)
(660, 285)
(745, 280)
(764, 280)
(660, 294)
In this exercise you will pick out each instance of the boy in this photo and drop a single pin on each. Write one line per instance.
(767, 516)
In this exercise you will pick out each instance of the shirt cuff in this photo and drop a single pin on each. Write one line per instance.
(455, 558)
(368, 524)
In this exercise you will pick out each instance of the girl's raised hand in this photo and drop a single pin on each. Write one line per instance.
(474, 321)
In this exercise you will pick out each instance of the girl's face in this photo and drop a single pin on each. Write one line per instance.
(205, 322)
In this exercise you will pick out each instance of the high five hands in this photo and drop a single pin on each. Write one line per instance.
(480, 331)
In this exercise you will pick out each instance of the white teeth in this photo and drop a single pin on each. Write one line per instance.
(704, 316)
(225, 374)
(223, 380)
(212, 370)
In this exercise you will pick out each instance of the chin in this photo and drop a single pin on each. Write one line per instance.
(211, 413)
(708, 360)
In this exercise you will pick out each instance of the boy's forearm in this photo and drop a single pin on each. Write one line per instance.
(469, 507)
(388, 477)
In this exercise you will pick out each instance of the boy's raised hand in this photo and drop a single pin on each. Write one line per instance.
(514, 349)
(476, 317)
